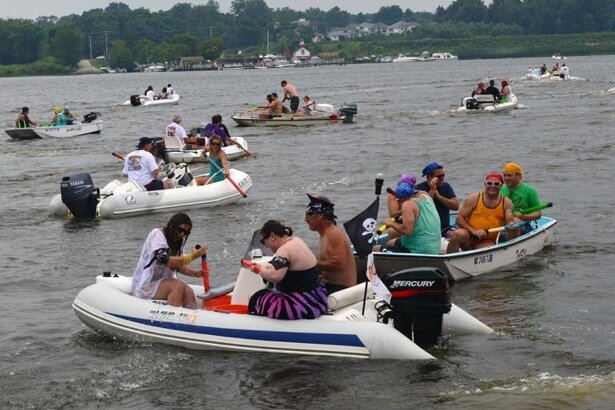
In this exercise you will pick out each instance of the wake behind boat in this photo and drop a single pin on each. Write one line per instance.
(80, 198)
(136, 100)
(468, 264)
(383, 331)
(91, 124)
(324, 114)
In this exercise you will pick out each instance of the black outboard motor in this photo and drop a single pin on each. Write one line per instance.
(349, 110)
(79, 195)
(89, 117)
(472, 104)
(420, 297)
(135, 100)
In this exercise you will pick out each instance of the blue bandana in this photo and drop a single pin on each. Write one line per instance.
(403, 191)
(430, 168)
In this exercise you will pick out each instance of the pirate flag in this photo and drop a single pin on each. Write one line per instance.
(362, 229)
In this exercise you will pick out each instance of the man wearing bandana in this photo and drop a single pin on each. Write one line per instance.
(335, 260)
(441, 192)
(522, 195)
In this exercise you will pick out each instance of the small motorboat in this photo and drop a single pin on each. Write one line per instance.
(80, 198)
(468, 264)
(136, 100)
(419, 312)
(173, 153)
(487, 103)
(324, 114)
(91, 124)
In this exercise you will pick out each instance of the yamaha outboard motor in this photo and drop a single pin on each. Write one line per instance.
(79, 195)
(420, 297)
(472, 104)
(349, 110)
(135, 100)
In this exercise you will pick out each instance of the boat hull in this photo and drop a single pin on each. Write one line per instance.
(252, 119)
(63, 131)
(147, 102)
(468, 264)
(232, 152)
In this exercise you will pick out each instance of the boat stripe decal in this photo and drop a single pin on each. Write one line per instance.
(265, 335)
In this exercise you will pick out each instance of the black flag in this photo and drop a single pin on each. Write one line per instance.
(362, 229)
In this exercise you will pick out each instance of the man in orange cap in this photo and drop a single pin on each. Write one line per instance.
(522, 195)
(480, 212)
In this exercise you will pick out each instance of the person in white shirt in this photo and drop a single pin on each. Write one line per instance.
(170, 91)
(150, 94)
(140, 166)
(175, 130)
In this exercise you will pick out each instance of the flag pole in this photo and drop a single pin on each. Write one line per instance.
(379, 182)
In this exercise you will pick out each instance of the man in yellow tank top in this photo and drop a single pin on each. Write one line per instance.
(480, 212)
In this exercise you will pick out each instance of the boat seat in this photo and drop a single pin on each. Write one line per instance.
(484, 98)
(171, 143)
(130, 186)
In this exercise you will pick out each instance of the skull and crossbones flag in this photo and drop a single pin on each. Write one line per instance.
(362, 229)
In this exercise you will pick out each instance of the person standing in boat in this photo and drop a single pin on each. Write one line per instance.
(290, 93)
(493, 90)
(23, 119)
(218, 163)
(338, 269)
(522, 195)
(296, 291)
(140, 165)
(480, 212)
(441, 192)
(162, 256)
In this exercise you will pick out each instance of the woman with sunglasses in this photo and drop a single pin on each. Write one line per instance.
(480, 212)
(297, 292)
(162, 256)
(218, 164)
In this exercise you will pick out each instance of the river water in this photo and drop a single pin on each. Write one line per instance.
(553, 313)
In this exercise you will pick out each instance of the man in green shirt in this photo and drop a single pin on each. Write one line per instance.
(522, 195)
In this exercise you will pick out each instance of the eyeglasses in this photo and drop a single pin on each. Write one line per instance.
(309, 213)
(263, 240)
(439, 176)
(183, 231)
(493, 183)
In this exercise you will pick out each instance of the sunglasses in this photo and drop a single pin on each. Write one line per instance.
(215, 144)
(183, 231)
(263, 240)
(439, 176)
(493, 183)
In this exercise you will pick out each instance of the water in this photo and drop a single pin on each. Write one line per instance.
(553, 313)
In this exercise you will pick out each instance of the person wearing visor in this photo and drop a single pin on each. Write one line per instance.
(441, 192)
(140, 165)
(480, 212)
(419, 229)
(338, 269)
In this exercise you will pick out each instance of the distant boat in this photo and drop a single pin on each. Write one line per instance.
(402, 58)
(444, 56)
(155, 68)
(558, 57)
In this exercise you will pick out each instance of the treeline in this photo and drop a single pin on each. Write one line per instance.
(127, 37)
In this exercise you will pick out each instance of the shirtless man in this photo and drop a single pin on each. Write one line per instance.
(290, 93)
(275, 107)
(335, 260)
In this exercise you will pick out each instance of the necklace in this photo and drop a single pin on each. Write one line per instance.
(286, 240)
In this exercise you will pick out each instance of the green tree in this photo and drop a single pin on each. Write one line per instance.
(211, 49)
(388, 15)
(121, 56)
(66, 43)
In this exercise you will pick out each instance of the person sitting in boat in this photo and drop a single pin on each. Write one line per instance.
(522, 195)
(140, 166)
(393, 205)
(543, 69)
(480, 212)
(162, 256)
(338, 269)
(493, 90)
(554, 70)
(291, 94)
(441, 192)
(309, 105)
(275, 107)
(505, 93)
(23, 119)
(56, 111)
(563, 71)
(66, 117)
(419, 229)
(218, 163)
(479, 90)
(170, 91)
(216, 127)
(163, 94)
(295, 290)
(150, 94)
(175, 130)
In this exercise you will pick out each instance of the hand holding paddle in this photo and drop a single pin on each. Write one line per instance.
(252, 266)
(205, 269)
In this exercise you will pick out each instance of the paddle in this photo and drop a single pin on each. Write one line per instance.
(536, 208)
(251, 155)
(205, 269)
(241, 192)
(252, 105)
(503, 228)
(118, 155)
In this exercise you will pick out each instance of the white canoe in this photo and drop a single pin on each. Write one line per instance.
(122, 199)
(143, 100)
(486, 103)
(468, 264)
(60, 131)
(176, 155)
(109, 308)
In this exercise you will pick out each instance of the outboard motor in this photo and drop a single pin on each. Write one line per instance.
(472, 104)
(135, 100)
(349, 110)
(79, 195)
(420, 297)
(89, 117)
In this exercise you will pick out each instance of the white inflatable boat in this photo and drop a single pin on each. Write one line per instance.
(173, 153)
(136, 100)
(486, 103)
(80, 198)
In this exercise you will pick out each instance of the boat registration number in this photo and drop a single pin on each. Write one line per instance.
(479, 260)
(171, 316)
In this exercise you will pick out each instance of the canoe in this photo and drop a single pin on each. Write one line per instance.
(80, 198)
(344, 115)
(136, 100)
(60, 131)
(468, 264)
(486, 103)
(222, 322)
(176, 155)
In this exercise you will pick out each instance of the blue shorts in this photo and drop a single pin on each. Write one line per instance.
(154, 185)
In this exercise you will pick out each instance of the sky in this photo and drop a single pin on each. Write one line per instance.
(31, 9)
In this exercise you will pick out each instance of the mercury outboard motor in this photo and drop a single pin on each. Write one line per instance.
(349, 110)
(420, 297)
(135, 100)
(472, 104)
(79, 195)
